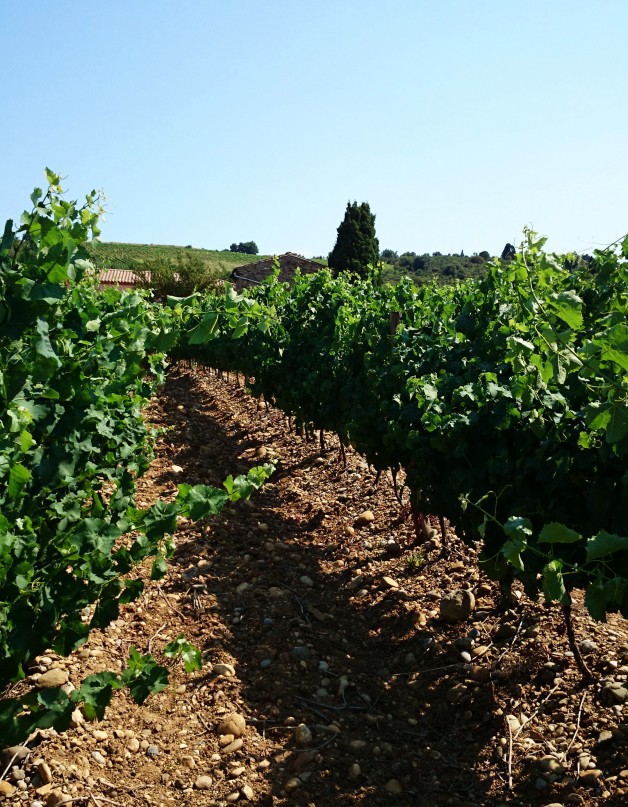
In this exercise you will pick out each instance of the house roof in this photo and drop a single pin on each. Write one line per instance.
(119, 276)
(127, 277)
(252, 273)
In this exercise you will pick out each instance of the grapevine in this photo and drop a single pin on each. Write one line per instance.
(505, 401)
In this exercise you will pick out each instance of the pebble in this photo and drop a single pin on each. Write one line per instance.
(393, 786)
(591, 777)
(292, 784)
(390, 582)
(302, 735)
(301, 653)
(236, 745)
(584, 761)
(613, 692)
(465, 656)
(307, 581)
(248, 792)
(457, 566)
(133, 745)
(152, 751)
(45, 774)
(98, 757)
(456, 606)
(265, 663)
(480, 674)
(53, 678)
(6, 789)
(358, 745)
(224, 669)
(364, 519)
(16, 753)
(513, 722)
(354, 771)
(234, 724)
(203, 783)
(550, 764)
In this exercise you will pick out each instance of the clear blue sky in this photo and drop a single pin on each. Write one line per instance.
(208, 122)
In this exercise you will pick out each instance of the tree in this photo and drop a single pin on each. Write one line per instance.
(247, 247)
(406, 260)
(389, 256)
(421, 263)
(356, 247)
(508, 253)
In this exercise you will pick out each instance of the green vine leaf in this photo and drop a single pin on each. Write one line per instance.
(605, 543)
(554, 584)
(555, 533)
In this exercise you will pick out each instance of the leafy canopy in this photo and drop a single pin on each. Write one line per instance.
(357, 247)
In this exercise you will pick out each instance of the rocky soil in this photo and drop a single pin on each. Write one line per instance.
(343, 664)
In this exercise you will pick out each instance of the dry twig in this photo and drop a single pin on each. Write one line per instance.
(563, 756)
(510, 645)
(203, 723)
(509, 753)
(170, 605)
(154, 636)
(535, 713)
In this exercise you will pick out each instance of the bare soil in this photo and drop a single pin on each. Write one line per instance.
(336, 626)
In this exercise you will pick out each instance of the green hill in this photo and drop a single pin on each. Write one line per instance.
(218, 264)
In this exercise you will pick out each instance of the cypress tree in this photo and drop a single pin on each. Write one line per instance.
(356, 243)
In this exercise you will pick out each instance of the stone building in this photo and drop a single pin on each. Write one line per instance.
(253, 273)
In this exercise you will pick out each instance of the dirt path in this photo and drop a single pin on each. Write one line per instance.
(350, 686)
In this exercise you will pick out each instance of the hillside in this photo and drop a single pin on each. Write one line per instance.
(426, 268)
(218, 263)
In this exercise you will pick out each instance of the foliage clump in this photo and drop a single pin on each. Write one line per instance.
(245, 247)
(357, 247)
(77, 365)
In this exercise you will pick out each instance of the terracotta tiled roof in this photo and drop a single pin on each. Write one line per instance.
(127, 277)
(124, 276)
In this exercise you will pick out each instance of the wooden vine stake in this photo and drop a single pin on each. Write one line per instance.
(395, 319)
